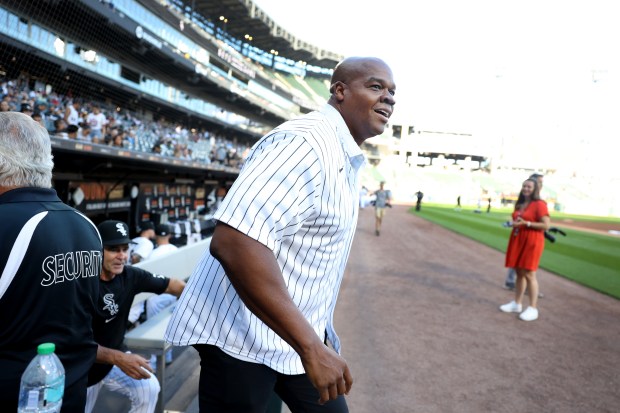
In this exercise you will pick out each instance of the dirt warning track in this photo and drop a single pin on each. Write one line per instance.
(421, 330)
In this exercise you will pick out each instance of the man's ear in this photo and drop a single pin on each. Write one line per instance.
(337, 90)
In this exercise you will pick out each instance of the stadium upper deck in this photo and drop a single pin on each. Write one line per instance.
(153, 53)
(149, 62)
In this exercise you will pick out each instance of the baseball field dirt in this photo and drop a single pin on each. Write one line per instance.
(421, 330)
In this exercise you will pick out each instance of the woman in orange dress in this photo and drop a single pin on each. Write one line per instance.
(530, 220)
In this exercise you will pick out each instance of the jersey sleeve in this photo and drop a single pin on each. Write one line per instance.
(147, 282)
(276, 190)
(143, 249)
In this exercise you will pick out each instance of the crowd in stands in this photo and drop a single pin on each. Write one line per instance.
(72, 117)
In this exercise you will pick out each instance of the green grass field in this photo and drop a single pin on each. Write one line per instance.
(589, 259)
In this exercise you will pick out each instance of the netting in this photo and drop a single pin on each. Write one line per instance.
(130, 77)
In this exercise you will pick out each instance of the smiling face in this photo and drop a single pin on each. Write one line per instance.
(527, 189)
(363, 92)
(114, 259)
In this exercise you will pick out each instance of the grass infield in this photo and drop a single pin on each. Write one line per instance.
(589, 259)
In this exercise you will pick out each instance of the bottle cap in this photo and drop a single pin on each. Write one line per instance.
(46, 348)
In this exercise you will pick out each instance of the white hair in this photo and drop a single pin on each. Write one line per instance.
(25, 152)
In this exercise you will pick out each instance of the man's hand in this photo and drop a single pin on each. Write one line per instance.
(328, 372)
(134, 365)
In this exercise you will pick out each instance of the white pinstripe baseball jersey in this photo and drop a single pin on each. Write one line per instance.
(298, 195)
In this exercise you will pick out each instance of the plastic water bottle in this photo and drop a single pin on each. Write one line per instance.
(43, 382)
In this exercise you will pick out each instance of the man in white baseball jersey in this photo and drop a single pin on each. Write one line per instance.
(142, 245)
(259, 306)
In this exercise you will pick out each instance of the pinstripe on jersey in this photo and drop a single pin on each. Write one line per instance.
(298, 195)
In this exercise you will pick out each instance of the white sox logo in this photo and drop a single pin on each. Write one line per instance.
(110, 305)
(121, 228)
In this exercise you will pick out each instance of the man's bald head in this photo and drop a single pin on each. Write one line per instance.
(353, 68)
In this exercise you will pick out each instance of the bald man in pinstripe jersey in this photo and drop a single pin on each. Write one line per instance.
(259, 306)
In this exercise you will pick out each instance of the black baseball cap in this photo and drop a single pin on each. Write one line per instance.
(162, 230)
(146, 225)
(114, 233)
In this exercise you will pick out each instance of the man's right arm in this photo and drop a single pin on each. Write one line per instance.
(254, 272)
(175, 287)
(132, 365)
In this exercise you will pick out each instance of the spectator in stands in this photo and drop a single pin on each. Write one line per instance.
(112, 132)
(117, 141)
(26, 109)
(4, 106)
(221, 154)
(40, 233)
(97, 122)
(126, 373)
(72, 113)
(84, 115)
(38, 118)
(270, 239)
(130, 137)
(72, 131)
(84, 133)
(176, 139)
(530, 220)
(60, 128)
(382, 201)
(178, 151)
(113, 123)
(42, 108)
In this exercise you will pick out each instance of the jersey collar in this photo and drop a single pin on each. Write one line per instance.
(350, 147)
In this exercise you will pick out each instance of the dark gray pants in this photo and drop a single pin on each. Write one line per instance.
(229, 385)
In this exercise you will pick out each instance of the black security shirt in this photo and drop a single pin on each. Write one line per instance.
(50, 259)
